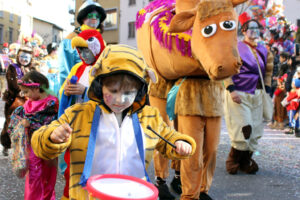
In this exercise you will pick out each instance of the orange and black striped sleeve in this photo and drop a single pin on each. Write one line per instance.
(41, 144)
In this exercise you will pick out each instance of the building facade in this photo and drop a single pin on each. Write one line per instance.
(15, 20)
(48, 31)
(129, 9)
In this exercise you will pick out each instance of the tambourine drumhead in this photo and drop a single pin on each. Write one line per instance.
(120, 187)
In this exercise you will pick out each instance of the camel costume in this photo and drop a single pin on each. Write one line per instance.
(84, 120)
(199, 40)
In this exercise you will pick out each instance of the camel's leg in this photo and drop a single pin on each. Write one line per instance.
(197, 171)
(210, 147)
(161, 164)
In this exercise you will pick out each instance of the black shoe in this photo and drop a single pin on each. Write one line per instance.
(176, 184)
(204, 196)
(290, 131)
(297, 132)
(5, 152)
(164, 192)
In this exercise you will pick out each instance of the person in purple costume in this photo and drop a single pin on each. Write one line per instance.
(12, 95)
(243, 99)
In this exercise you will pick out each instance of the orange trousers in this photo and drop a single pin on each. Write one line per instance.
(196, 172)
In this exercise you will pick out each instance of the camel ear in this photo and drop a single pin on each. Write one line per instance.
(182, 22)
(237, 2)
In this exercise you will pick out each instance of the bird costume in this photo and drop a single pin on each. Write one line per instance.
(68, 57)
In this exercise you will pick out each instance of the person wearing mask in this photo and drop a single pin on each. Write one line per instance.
(243, 98)
(12, 95)
(90, 16)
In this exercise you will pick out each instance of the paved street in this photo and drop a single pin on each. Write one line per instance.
(278, 178)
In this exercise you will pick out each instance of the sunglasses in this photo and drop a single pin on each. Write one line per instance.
(254, 28)
(93, 16)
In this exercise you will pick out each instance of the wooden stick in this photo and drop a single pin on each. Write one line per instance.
(149, 127)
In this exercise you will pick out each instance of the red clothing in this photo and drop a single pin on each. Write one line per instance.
(278, 92)
(280, 80)
(293, 100)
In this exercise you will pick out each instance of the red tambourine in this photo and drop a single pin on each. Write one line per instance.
(120, 187)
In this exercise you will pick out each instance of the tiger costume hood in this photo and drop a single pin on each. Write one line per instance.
(116, 59)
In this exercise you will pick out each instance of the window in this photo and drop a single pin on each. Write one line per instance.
(131, 30)
(1, 33)
(131, 2)
(10, 34)
(1, 13)
(111, 21)
(11, 17)
(19, 20)
(298, 23)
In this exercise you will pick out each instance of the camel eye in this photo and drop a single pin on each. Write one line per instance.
(209, 30)
(228, 25)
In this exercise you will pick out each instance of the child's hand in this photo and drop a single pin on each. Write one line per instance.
(235, 97)
(25, 123)
(183, 148)
(74, 89)
(61, 134)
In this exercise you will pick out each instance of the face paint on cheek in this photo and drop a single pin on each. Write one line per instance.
(128, 98)
(107, 98)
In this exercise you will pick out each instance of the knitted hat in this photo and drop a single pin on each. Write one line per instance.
(5, 44)
(90, 6)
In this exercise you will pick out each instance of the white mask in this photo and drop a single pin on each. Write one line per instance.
(253, 31)
(24, 58)
(87, 55)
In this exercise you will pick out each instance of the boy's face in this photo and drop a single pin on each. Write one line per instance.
(32, 94)
(118, 99)
(282, 59)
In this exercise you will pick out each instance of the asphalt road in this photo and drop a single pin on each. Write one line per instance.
(278, 157)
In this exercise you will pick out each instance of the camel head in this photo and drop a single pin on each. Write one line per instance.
(214, 38)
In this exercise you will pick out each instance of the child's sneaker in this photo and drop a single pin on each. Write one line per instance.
(176, 184)
(290, 131)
